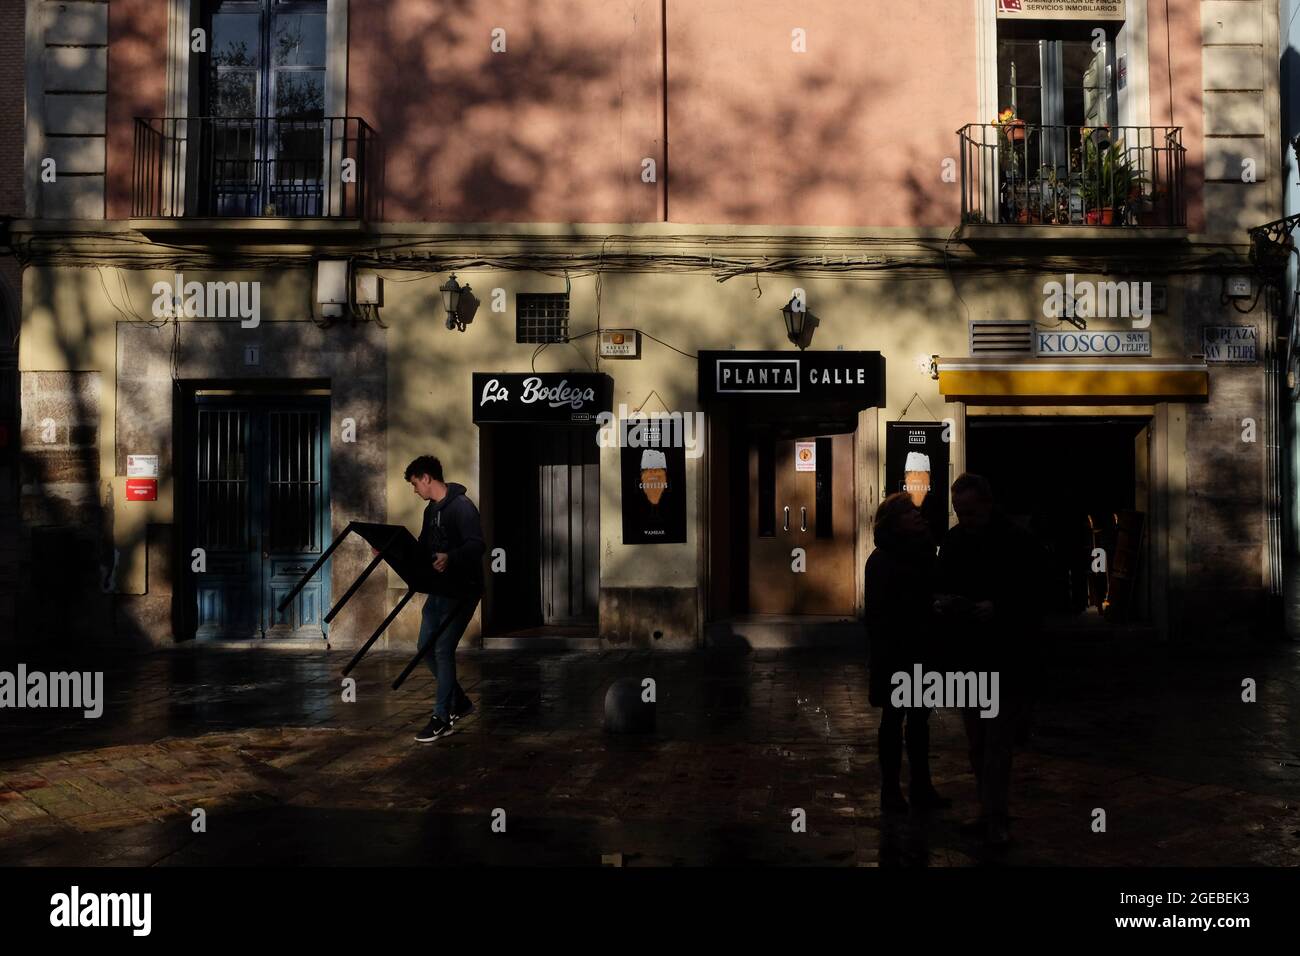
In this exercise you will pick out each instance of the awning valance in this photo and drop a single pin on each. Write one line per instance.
(987, 380)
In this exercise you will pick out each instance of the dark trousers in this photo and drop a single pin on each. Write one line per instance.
(442, 662)
(890, 743)
(990, 741)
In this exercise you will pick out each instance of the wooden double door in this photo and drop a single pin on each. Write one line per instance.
(801, 514)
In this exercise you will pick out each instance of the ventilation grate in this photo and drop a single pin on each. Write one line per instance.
(989, 337)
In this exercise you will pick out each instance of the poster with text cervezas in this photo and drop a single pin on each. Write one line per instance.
(916, 462)
(653, 483)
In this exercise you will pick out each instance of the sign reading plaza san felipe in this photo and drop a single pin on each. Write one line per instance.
(837, 376)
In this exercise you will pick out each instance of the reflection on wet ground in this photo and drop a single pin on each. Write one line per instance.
(288, 773)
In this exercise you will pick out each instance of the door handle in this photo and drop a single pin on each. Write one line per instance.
(803, 518)
(787, 517)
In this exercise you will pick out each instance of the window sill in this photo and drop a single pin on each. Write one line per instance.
(261, 225)
(1013, 232)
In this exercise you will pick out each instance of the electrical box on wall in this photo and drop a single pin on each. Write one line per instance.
(370, 289)
(1239, 287)
(332, 286)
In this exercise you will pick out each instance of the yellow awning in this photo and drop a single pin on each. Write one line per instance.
(1116, 381)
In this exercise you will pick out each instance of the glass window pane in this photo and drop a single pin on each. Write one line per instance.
(235, 39)
(298, 40)
(234, 93)
(234, 151)
(300, 95)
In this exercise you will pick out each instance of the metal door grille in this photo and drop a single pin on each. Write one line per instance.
(293, 480)
(223, 507)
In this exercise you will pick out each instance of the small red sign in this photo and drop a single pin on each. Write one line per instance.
(142, 489)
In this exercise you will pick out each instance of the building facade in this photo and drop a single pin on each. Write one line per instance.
(820, 254)
(1279, 236)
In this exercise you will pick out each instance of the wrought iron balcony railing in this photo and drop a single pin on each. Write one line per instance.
(1073, 176)
(255, 167)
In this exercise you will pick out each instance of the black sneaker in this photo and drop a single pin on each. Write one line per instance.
(463, 711)
(435, 729)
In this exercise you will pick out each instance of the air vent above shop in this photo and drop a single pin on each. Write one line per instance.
(996, 337)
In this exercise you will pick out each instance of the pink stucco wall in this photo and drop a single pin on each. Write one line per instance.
(552, 130)
(137, 86)
(1174, 56)
(853, 132)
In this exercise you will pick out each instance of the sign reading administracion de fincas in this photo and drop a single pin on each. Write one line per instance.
(1060, 9)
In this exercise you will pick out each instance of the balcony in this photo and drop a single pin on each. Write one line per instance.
(272, 170)
(1021, 181)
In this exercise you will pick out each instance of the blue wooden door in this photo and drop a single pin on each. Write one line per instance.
(260, 512)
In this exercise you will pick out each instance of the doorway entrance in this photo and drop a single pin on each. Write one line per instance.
(1079, 484)
(801, 498)
(256, 501)
(782, 496)
(542, 507)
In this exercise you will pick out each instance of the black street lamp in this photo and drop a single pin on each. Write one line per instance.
(452, 293)
(796, 315)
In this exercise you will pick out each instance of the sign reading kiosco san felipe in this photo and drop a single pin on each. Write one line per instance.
(1060, 9)
(832, 376)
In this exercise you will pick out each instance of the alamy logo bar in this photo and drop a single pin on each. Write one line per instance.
(74, 909)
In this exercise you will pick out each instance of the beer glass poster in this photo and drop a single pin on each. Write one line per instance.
(916, 461)
(654, 494)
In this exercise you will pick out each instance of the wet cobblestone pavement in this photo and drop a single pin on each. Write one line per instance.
(287, 773)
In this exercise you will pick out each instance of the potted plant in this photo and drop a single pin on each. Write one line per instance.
(1011, 134)
(1012, 126)
(1110, 184)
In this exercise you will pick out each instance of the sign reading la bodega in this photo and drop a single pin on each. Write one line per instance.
(540, 396)
(840, 376)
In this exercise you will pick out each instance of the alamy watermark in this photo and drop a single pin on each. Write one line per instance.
(1098, 300)
(946, 689)
(208, 300)
(36, 689)
(651, 430)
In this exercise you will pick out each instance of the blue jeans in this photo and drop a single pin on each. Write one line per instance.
(442, 662)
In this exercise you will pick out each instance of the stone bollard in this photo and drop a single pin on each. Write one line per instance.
(625, 711)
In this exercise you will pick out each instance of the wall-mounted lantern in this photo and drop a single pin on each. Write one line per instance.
(452, 295)
(795, 313)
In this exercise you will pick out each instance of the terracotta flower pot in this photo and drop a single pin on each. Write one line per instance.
(1016, 130)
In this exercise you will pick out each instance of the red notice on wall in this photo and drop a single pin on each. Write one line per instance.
(142, 489)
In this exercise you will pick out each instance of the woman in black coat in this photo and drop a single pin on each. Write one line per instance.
(899, 617)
